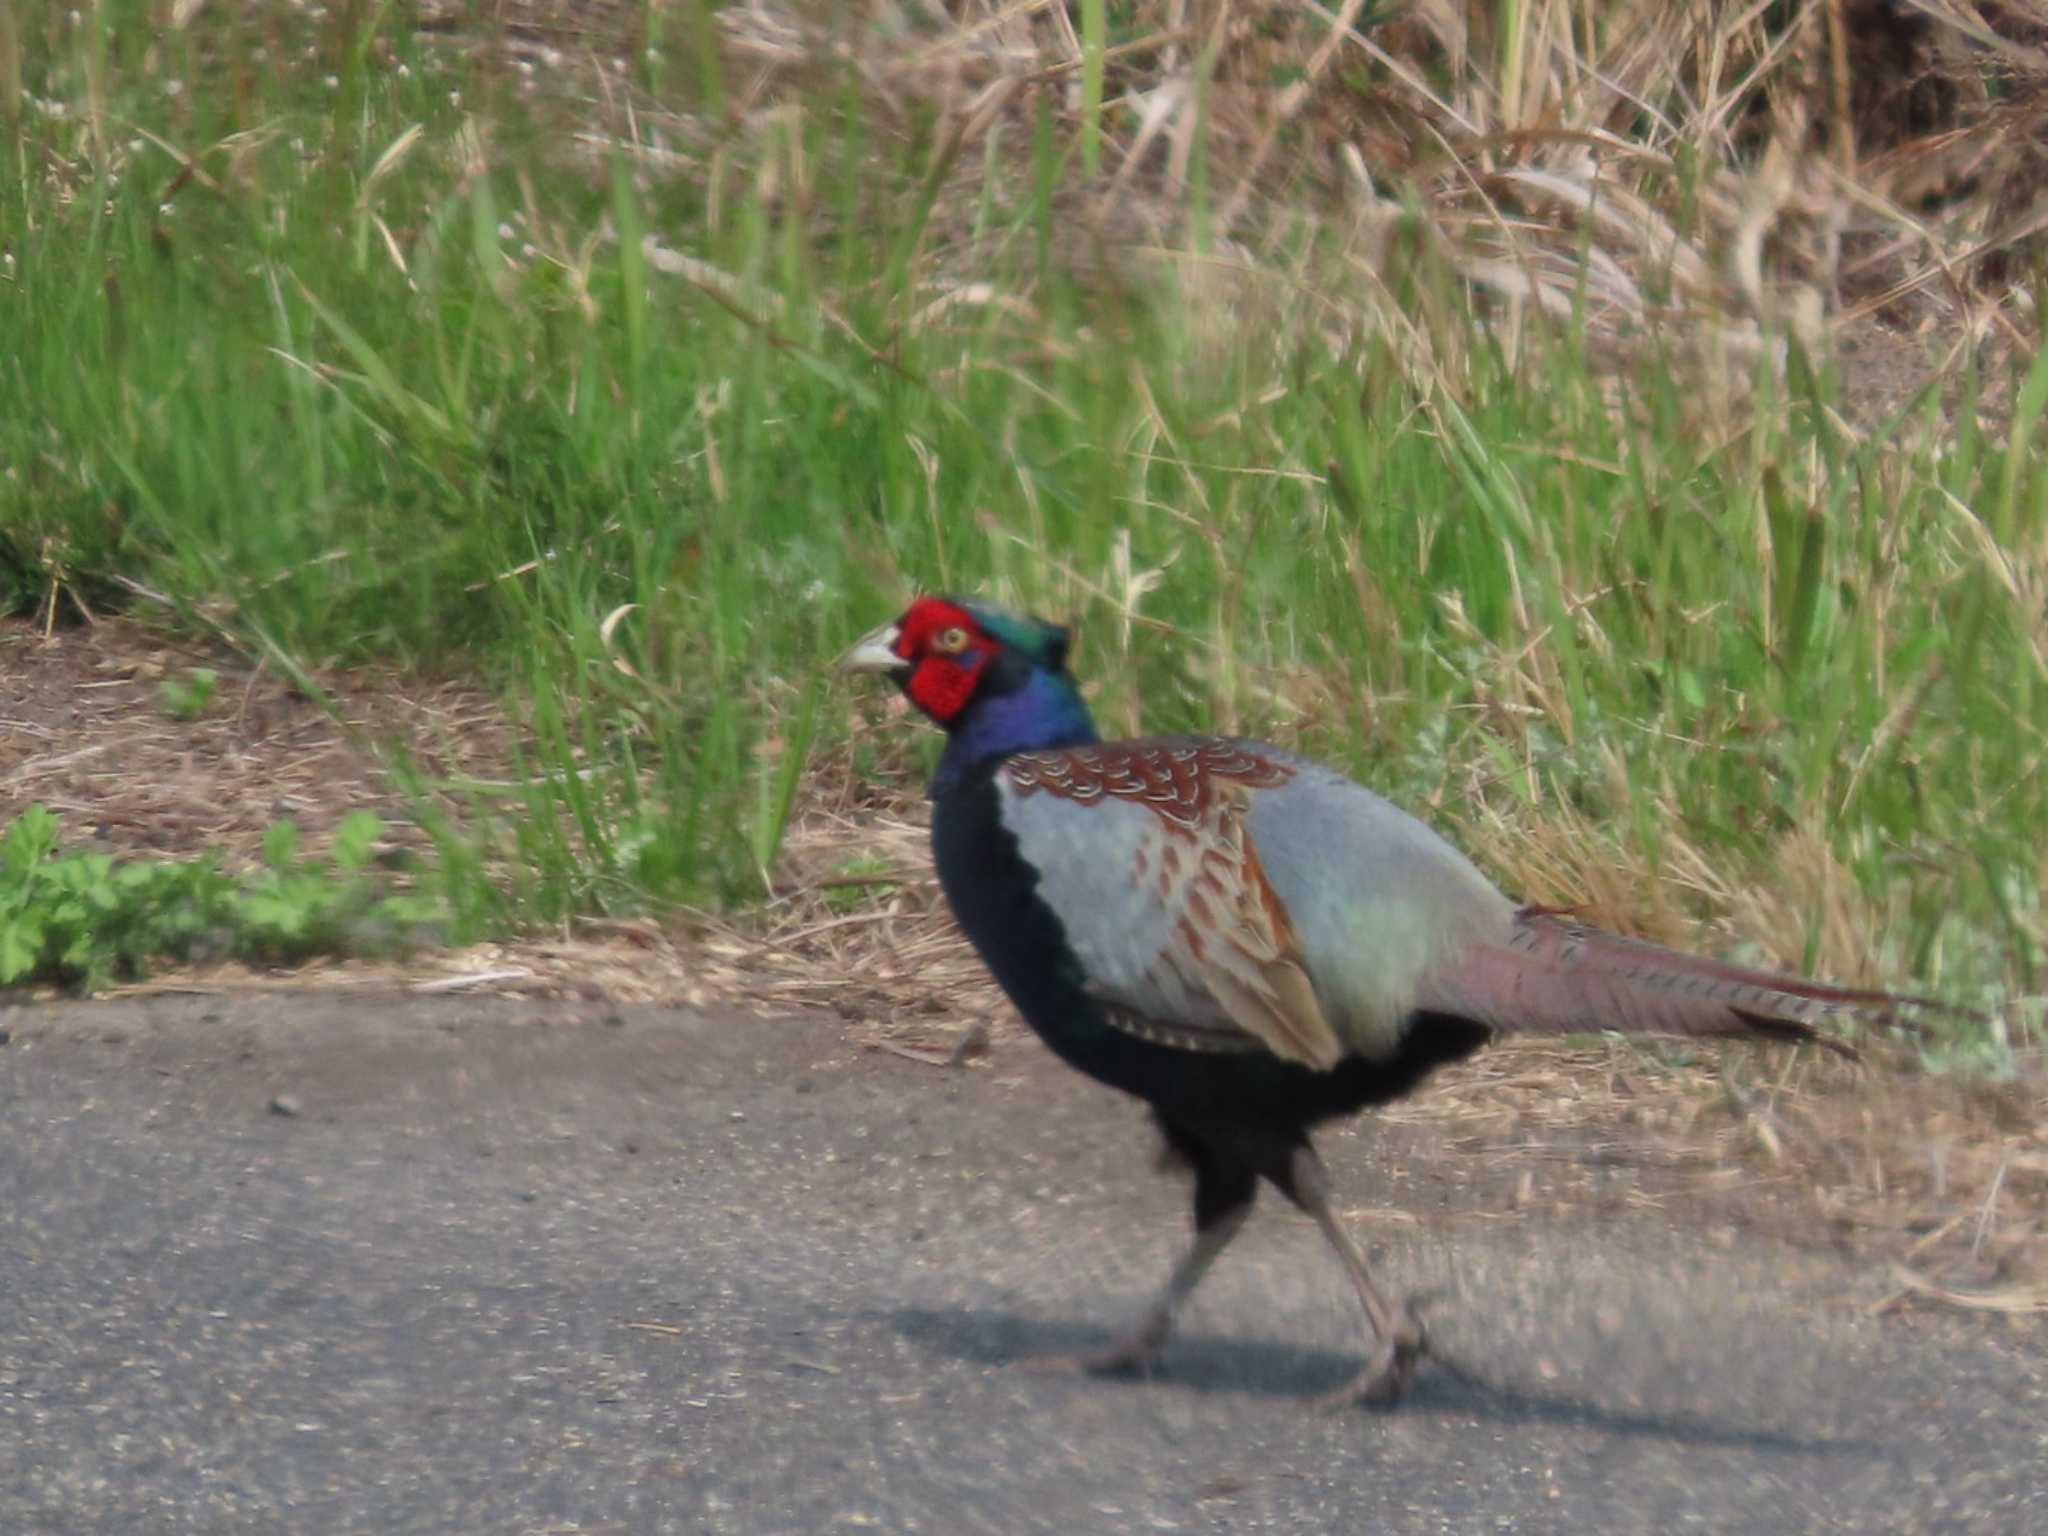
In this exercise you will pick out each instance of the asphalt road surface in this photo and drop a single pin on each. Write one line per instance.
(504, 1268)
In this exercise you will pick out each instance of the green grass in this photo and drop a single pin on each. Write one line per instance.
(387, 378)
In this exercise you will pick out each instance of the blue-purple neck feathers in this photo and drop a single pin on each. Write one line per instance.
(1042, 711)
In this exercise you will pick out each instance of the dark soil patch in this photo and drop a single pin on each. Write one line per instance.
(85, 731)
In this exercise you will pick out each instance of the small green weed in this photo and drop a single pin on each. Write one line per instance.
(84, 920)
(854, 882)
(186, 697)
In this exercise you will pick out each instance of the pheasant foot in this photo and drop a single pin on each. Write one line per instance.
(1389, 1370)
(1135, 1353)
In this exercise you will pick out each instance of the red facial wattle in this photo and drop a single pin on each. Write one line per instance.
(948, 651)
(942, 685)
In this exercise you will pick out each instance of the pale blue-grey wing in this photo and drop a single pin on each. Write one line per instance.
(1143, 851)
(1098, 865)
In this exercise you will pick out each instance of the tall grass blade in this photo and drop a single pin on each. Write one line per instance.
(633, 291)
(1094, 41)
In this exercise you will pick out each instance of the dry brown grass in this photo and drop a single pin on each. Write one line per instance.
(1714, 175)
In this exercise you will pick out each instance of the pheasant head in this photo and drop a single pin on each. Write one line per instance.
(994, 680)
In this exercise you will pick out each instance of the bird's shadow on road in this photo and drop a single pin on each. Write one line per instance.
(1208, 1363)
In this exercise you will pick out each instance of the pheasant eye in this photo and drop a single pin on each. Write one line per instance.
(952, 641)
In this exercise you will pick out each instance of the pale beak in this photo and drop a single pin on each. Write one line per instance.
(875, 653)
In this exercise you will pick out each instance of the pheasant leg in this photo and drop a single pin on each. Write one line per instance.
(1398, 1342)
(1224, 1191)
(1140, 1349)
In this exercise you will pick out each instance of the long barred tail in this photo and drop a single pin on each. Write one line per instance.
(1559, 977)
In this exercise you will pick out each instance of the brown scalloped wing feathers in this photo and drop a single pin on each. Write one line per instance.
(1232, 937)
